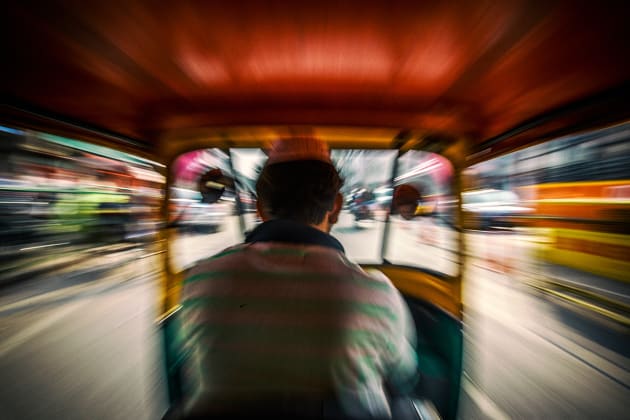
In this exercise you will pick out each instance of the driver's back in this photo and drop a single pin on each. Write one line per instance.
(272, 321)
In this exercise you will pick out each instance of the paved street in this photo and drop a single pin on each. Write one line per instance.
(86, 351)
(529, 356)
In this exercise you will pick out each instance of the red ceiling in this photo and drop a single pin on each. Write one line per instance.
(469, 67)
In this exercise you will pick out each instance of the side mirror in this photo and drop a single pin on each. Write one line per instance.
(405, 201)
(213, 185)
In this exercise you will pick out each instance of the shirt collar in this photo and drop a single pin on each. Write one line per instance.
(288, 231)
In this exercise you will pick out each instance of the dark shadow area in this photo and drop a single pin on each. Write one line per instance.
(592, 326)
(439, 349)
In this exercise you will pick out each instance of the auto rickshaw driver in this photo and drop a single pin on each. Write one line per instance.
(284, 324)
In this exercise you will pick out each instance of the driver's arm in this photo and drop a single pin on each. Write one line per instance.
(403, 371)
(401, 359)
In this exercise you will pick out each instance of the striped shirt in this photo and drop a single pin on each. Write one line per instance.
(267, 319)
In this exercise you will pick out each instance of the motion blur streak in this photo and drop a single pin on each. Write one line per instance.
(546, 291)
(547, 301)
(78, 274)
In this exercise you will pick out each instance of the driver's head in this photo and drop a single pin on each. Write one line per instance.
(299, 182)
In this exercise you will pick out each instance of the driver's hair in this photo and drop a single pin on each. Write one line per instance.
(302, 191)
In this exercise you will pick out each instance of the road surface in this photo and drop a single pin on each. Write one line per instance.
(86, 348)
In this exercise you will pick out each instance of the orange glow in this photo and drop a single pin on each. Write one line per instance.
(325, 57)
(203, 69)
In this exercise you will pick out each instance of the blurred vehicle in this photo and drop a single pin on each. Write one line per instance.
(192, 215)
(584, 224)
(491, 209)
(248, 202)
(203, 218)
(362, 205)
(383, 197)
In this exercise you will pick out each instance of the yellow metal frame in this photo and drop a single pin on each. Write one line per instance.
(415, 282)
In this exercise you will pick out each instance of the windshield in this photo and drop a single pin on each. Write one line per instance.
(369, 234)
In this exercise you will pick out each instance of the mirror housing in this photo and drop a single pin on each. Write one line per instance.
(213, 184)
(405, 201)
